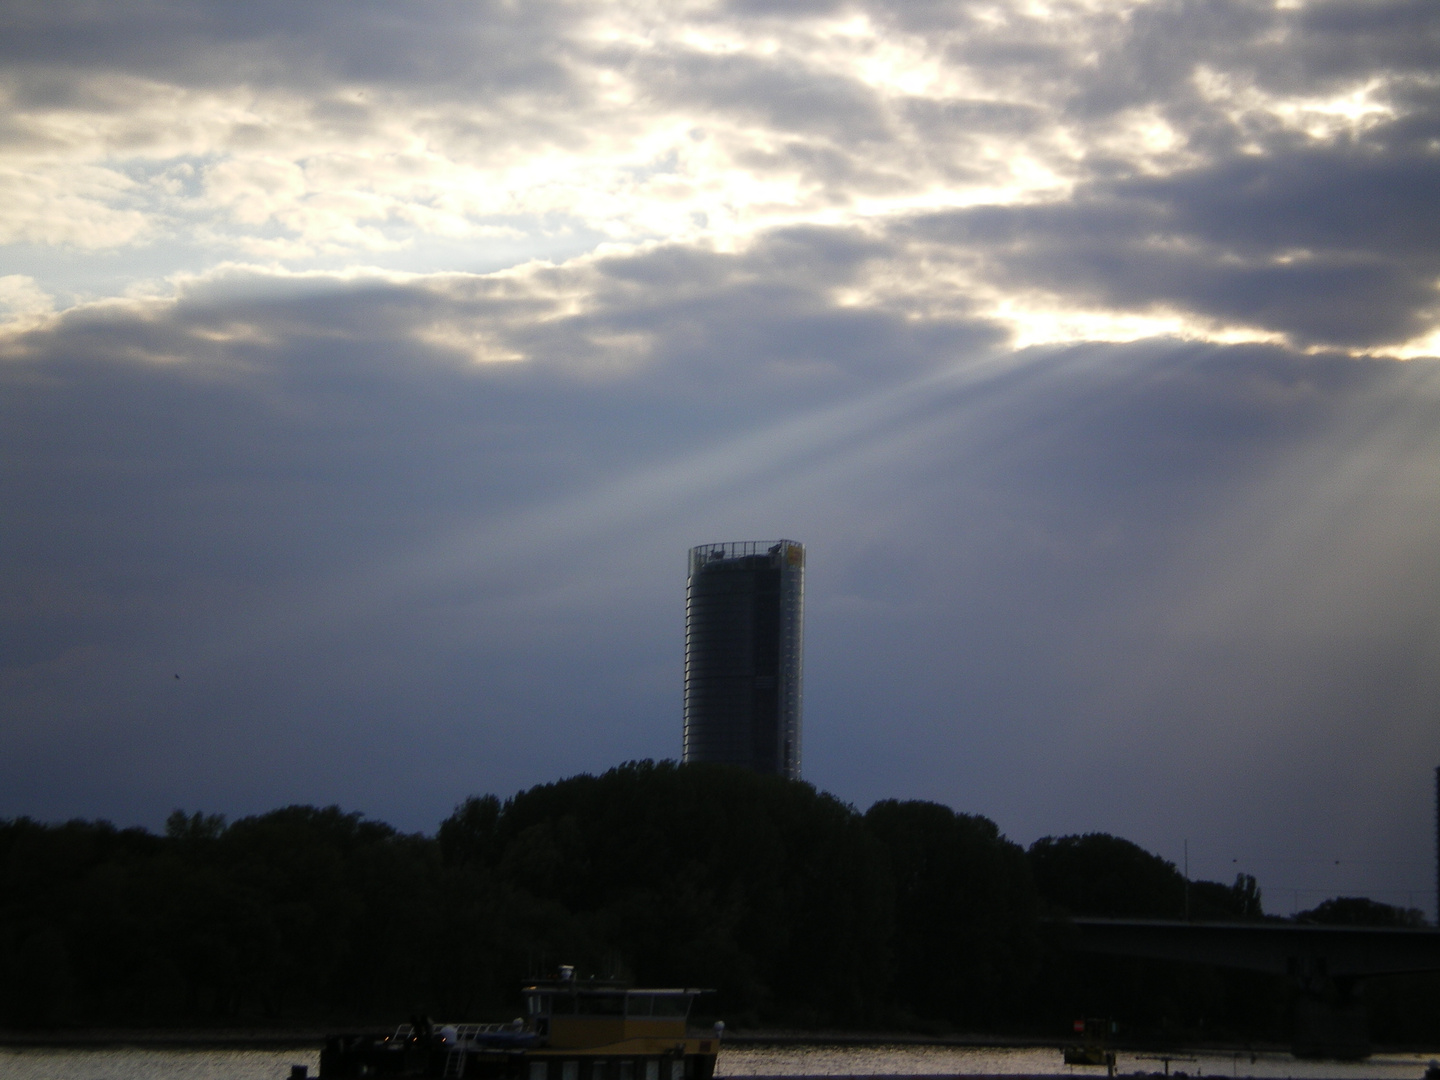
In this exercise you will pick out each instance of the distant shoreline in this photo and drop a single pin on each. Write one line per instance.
(314, 1038)
(168, 1039)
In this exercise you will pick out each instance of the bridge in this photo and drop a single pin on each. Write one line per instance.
(1325, 963)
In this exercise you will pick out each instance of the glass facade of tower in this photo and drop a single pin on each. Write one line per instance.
(744, 616)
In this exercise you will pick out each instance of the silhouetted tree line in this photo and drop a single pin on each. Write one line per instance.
(794, 907)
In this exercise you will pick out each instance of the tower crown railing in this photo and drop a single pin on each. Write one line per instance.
(739, 549)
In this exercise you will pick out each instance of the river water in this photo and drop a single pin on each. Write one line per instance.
(736, 1060)
(841, 1061)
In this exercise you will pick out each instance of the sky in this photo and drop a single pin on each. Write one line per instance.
(367, 368)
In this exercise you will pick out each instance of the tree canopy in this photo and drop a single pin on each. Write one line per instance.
(793, 907)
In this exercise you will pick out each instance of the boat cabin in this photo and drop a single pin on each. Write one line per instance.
(572, 1014)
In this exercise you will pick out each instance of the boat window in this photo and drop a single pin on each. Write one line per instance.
(538, 1004)
(672, 1005)
(627, 1070)
(537, 1070)
(602, 1005)
(677, 1069)
(652, 1070)
(597, 1070)
(570, 1071)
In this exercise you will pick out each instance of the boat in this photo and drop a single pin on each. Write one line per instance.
(573, 1029)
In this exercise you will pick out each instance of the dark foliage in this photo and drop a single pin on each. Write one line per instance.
(296, 913)
(966, 942)
(795, 908)
(1099, 874)
(767, 891)
(1361, 911)
(771, 893)
(1239, 902)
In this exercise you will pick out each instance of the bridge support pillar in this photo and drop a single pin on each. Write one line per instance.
(1330, 1021)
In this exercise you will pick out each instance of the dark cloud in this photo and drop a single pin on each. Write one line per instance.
(1328, 247)
(490, 44)
(1094, 61)
(780, 97)
(1342, 40)
(1347, 202)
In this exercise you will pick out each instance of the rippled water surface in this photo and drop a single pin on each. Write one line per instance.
(735, 1061)
(739, 1061)
(124, 1063)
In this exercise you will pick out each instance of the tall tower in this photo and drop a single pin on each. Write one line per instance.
(744, 610)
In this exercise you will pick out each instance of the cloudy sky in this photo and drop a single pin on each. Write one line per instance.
(371, 365)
